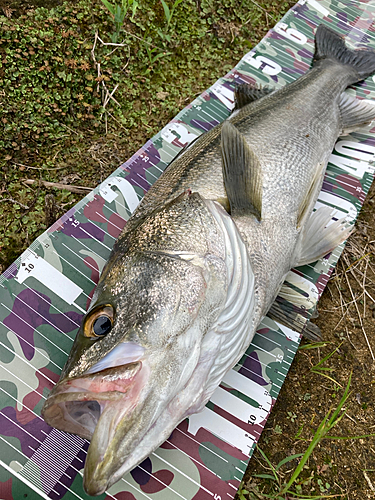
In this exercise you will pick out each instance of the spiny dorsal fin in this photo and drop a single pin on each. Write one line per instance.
(246, 93)
(241, 172)
(308, 202)
(355, 113)
(317, 238)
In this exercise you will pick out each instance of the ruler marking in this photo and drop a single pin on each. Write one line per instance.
(78, 271)
(24, 480)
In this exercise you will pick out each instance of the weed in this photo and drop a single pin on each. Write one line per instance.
(119, 13)
(168, 12)
(323, 487)
(242, 492)
(281, 489)
(324, 370)
(153, 55)
(291, 416)
(327, 424)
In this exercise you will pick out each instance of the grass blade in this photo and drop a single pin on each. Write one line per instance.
(167, 12)
(287, 459)
(264, 476)
(268, 462)
(314, 345)
(110, 7)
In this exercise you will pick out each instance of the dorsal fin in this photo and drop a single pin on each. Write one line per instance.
(241, 172)
(246, 93)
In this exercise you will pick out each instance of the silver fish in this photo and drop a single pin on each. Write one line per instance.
(201, 261)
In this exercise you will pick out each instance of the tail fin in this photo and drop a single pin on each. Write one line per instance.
(330, 45)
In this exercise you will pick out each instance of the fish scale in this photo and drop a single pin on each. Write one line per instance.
(351, 151)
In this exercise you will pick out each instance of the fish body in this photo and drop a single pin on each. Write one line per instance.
(201, 261)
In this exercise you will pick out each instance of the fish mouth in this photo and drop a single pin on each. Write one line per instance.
(76, 405)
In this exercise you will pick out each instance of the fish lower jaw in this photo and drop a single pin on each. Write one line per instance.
(76, 405)
(81, 414)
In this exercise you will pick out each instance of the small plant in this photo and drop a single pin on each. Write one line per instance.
(276, 475)
(281, 490)
(324, 370)
(291, 416)
(169, 12)
(323, 487)
(119, 13)
(153, 54)
(324, 428)
(242, 492)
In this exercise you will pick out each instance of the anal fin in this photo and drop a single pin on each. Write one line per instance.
(241, 172)
(317, 238)
(355, 113)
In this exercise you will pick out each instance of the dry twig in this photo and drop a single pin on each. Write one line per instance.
(58, 185)
(15, 201)
(37, 168)
(106, 94)
(359, 317)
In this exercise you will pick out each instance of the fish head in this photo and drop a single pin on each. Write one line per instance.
(137, 348)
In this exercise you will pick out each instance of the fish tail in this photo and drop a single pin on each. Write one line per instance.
(330, 45)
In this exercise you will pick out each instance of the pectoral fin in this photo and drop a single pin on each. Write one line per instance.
(317, 239)
(241, 172)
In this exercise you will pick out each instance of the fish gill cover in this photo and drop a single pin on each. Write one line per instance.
(45, 293)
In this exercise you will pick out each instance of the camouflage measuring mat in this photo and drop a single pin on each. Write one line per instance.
(44, 294)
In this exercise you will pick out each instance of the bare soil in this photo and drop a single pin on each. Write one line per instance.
(342, 468)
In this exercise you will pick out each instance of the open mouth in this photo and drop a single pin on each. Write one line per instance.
(76, 405)
(83, 413)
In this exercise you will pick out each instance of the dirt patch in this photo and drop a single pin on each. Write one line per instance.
(342, 468)
(16, 8)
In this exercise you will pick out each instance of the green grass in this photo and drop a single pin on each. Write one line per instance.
(281, 489)
(274, 485)
(54, 125)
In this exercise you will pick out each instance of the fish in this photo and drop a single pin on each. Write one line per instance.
(201, 261)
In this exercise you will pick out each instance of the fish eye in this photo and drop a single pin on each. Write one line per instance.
(102, 325)
(98, 322)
